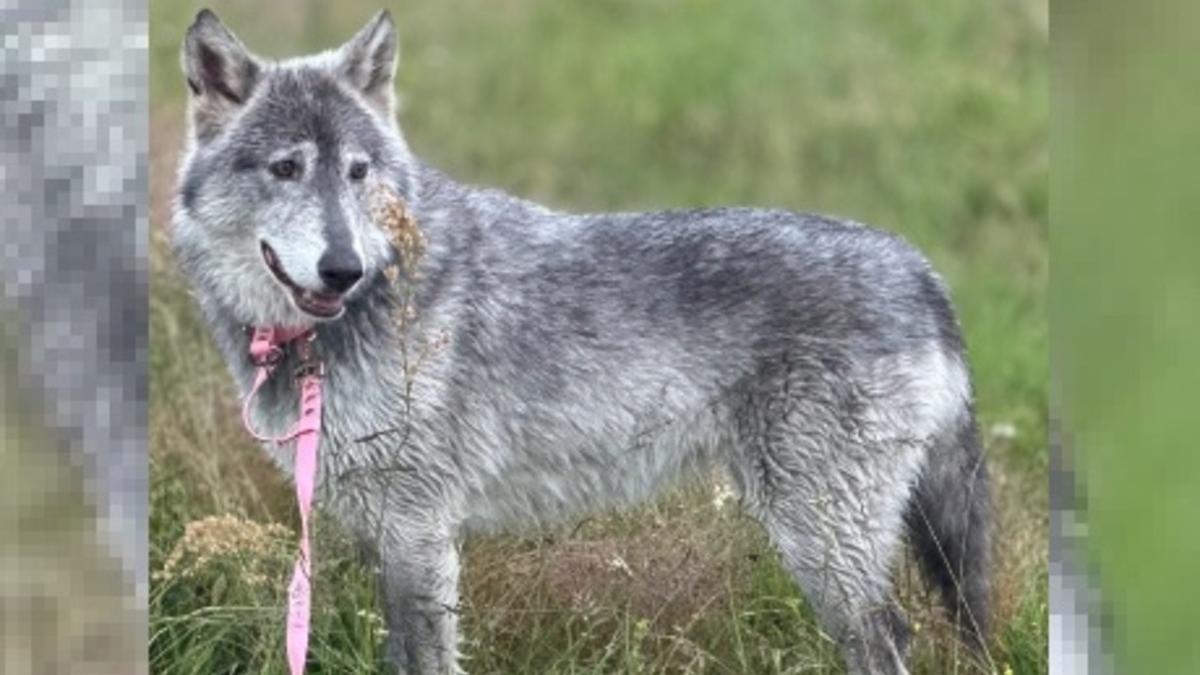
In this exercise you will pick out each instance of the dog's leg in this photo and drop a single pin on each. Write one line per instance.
(837, 542)
(839, 555)
(419, 570)
(833, 504)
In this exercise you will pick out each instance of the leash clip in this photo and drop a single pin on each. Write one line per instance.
(310, 365)
(309, 368)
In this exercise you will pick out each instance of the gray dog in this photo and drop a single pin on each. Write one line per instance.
(570, 363)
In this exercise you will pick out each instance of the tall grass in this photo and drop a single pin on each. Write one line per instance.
(927, 120)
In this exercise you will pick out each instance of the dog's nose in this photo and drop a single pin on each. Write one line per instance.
(339, 269)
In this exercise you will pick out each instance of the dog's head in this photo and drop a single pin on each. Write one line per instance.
(272, 208)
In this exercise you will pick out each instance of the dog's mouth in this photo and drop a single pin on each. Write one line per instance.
(318, 305)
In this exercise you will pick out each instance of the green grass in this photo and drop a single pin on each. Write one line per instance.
(1125, 316)
(930, 121)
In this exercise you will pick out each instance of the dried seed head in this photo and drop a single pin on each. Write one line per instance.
(389, 210)
(391, 213)
(258, 550)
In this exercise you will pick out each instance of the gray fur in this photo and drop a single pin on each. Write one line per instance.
(590, 360)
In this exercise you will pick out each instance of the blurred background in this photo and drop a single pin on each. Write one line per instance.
(1126, 313)
(927, 119)
(73, 485)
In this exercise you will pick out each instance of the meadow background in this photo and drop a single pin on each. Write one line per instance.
(926, 119)
(1126, 313)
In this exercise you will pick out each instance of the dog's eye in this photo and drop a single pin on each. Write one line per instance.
(285, 169)
(358, 170)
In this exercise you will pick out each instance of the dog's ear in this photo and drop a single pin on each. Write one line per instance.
(368, 62)
(221, 73)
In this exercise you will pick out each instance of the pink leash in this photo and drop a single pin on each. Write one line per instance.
(266, 350)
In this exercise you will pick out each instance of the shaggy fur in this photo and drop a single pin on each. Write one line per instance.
(576, 362)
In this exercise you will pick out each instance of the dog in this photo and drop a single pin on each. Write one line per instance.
(553, 364)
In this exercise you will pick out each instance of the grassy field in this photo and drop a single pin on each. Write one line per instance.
(926, 120)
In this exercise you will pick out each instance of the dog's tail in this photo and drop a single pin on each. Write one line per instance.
(949, 526)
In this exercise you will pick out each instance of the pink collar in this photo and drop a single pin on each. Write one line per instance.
(266, 350)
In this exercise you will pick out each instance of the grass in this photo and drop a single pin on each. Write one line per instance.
(927, 121)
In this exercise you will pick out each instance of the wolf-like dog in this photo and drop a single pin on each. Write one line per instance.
(580, 362)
